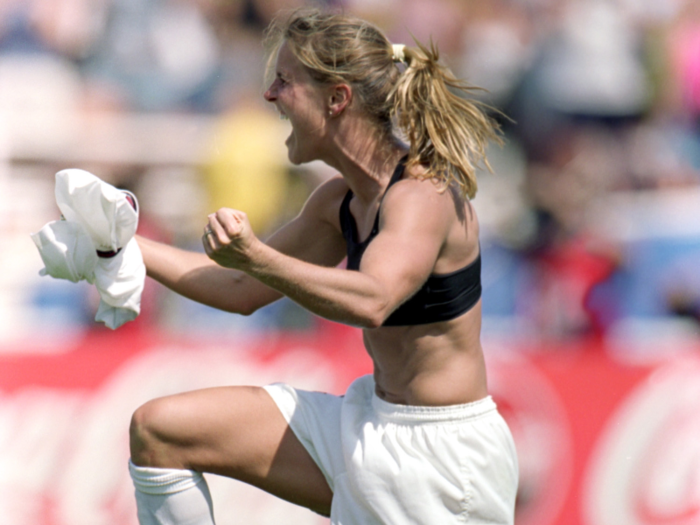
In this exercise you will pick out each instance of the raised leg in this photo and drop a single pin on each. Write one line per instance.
(232, 431)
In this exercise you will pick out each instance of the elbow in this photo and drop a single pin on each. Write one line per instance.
(246, 309)
(371, 323)
(375, 316)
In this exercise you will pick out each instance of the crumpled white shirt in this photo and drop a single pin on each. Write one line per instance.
(94, 241)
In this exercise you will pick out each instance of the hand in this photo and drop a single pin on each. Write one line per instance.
(228, 238)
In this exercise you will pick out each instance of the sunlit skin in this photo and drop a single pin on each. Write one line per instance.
(302, 102)
(423, 364)
(239, 431)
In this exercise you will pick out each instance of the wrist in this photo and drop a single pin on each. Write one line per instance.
(254, 256)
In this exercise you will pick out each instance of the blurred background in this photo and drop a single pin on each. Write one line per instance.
(590, 239)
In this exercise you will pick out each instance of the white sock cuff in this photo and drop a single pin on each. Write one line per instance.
(162, 481)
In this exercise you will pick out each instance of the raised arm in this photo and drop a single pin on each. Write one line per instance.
(309, 237)
(394, 266)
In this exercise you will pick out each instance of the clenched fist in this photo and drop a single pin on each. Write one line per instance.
(228, 238)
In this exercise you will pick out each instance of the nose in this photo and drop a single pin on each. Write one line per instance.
(271, 93)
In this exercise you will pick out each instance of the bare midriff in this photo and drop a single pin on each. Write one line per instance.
(437, 364)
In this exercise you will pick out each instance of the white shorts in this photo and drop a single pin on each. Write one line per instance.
(396, 464)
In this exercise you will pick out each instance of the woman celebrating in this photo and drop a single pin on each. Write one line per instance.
(419, 441)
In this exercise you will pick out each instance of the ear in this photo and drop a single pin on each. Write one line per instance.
(339, 98)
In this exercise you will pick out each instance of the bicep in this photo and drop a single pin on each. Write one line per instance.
(403, 254)
(399, 264)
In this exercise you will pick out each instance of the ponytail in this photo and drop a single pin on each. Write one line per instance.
(425, 103)
(446, 132)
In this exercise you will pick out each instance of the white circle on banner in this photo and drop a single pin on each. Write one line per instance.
(645, 468)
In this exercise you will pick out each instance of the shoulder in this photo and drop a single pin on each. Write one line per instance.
(417, 196)
(417, 188)
(335, 186)
(329, 191)
(325, 200)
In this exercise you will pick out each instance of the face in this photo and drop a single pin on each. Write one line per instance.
(301, 100)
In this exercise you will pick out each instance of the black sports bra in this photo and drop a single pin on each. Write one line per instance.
(441, 298)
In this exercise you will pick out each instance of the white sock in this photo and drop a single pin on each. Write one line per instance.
(171, 496)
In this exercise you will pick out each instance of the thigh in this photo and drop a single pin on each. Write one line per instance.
(233, 431)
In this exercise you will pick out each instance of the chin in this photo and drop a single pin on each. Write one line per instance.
(293, 158)
(297, 158)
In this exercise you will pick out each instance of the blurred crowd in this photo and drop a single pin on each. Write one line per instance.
(590, 221)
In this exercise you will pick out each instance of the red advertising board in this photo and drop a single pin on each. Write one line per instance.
(600, 442)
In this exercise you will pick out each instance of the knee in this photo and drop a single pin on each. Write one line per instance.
(144, 440)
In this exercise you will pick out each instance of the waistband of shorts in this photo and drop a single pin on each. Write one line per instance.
(433, 414)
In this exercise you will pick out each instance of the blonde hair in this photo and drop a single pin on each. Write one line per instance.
(447, 133)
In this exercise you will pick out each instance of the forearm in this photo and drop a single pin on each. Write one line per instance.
(195, 276)
(339, 295)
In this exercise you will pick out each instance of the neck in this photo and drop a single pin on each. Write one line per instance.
(366, 157)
